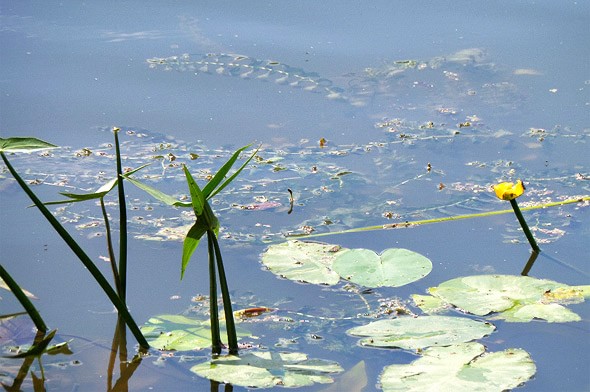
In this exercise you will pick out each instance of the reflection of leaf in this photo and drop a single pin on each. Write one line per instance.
(420, 332)
(460, 367)
(353, 380)
(394, 267)
(516, 298)
(266, 369)
(179, 333)
(309, 262)
(4, 286)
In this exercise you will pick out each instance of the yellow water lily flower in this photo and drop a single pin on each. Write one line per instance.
(509, 190)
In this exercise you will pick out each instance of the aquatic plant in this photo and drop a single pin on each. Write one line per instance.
(510, 191)
(207, 223)
(22, 297)
(118, 300)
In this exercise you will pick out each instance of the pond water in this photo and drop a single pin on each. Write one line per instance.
(421, 109)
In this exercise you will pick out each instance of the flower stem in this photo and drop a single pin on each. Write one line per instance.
(524, 226)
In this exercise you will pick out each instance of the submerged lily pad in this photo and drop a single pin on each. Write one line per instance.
(413, 333)
(514, 298)
(309, 262)
(461, 367)
(266, 369)
(179, 333)
(394, 267)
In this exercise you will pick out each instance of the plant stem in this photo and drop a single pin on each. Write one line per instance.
(232, 338)
(111, 251)
(524, 226)
(23, 299)
(122, 221)
(213, 310)
(98, 276)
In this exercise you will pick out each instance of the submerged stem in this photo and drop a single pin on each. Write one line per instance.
(232, 338)
(524, 226)
(213, 310)
(23, 299)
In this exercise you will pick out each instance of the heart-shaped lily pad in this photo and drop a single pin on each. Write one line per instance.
(180, 333)
(394, 267)
(413, 333)
(265, 369)
(461, 367)
(514, 298)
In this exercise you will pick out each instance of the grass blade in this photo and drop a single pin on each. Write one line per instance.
(197, 197)
(220, 175)
(23, 299)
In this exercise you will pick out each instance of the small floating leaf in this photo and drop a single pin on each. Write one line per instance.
(393, 268)
(267, 369)
(309, 262)
(413, 333)
(461, 367)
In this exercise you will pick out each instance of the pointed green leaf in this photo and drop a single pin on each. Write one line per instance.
(413, 333)
(23, 144)
(460, 367)
(220, 175)
(231, 178)
(158, 195)
(197, 198)
(394, 267)
(36, 349)
(191, 241)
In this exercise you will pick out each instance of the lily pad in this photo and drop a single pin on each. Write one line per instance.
(265, 369)
(461, 367)
(309, 262)
(393, 268)
(514, 298)
(179, 333)
(415, 333)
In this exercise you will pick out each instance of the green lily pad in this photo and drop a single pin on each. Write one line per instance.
(461, 367)
(514, 298)
(264, 369)
(393, 268)
(309, 262)
(415, 333)
(179, 333)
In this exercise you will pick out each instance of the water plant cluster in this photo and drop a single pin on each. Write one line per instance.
(443, 340)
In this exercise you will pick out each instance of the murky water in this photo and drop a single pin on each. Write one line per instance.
(421, 108)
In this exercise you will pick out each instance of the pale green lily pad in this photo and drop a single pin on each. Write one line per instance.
(415, 333)
(514, 298)
(461, 367)
(265, 369)
(309, 262)
(394, 267)
(180, 333)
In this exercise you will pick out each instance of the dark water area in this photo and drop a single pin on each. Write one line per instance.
(422, 108)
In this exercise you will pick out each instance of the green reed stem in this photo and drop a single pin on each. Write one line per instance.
(110, 248)
(525, 227)
(23, 299)
(122, 221)
(232, 338)
(96, 274)
(213, 310)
